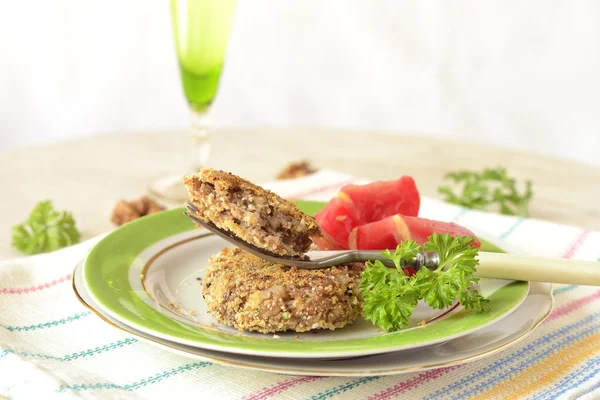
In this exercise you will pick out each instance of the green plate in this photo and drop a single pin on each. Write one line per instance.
(165, 300)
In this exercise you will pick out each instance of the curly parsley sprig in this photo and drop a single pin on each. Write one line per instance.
(390, 296)
(486, 189)
(45, 230)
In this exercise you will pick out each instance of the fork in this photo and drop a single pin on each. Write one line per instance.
(491, 265)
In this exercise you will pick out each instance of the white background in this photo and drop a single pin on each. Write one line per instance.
(512, 73)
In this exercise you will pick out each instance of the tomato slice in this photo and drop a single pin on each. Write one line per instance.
(379, 200)
(379, 235)
(325, 242)
(421, 228)
(336, 220)
(389, 232)
(357, 205)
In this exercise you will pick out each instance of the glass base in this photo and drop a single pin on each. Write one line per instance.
(169, 190)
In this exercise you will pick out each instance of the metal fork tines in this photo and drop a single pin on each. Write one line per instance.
(311, 259)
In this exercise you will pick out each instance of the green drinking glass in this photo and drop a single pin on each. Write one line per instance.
(201, 29)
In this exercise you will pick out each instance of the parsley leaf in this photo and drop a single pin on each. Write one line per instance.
(404, 254)
(390, 296)
(482, 190)
(45, 230)
(389, 304)
(377, 274)
(454, 277)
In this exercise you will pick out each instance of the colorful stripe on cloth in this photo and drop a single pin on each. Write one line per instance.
(425, 377)
(429, 376)
(580, 240)
(73, 356)
(446, 392)
(412, 383)
(344, 388)
(138, 384)
(547, 370)
(36, 288)
(560, 359)
(572, 382)
(512, 228)
(504, 370)
(461, 213)
(271, 391)
(43, 325)
(150, 380)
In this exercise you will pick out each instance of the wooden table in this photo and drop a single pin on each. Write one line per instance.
(87, 176)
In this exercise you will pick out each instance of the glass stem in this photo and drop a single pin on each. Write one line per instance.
(201, 124)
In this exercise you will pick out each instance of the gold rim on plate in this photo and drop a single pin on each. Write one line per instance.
(203, 235)
(298, 371)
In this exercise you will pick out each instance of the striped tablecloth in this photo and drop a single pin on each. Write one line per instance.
(52, 347)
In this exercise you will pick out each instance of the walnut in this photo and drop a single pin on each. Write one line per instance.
(127, 211)
(296, 170)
